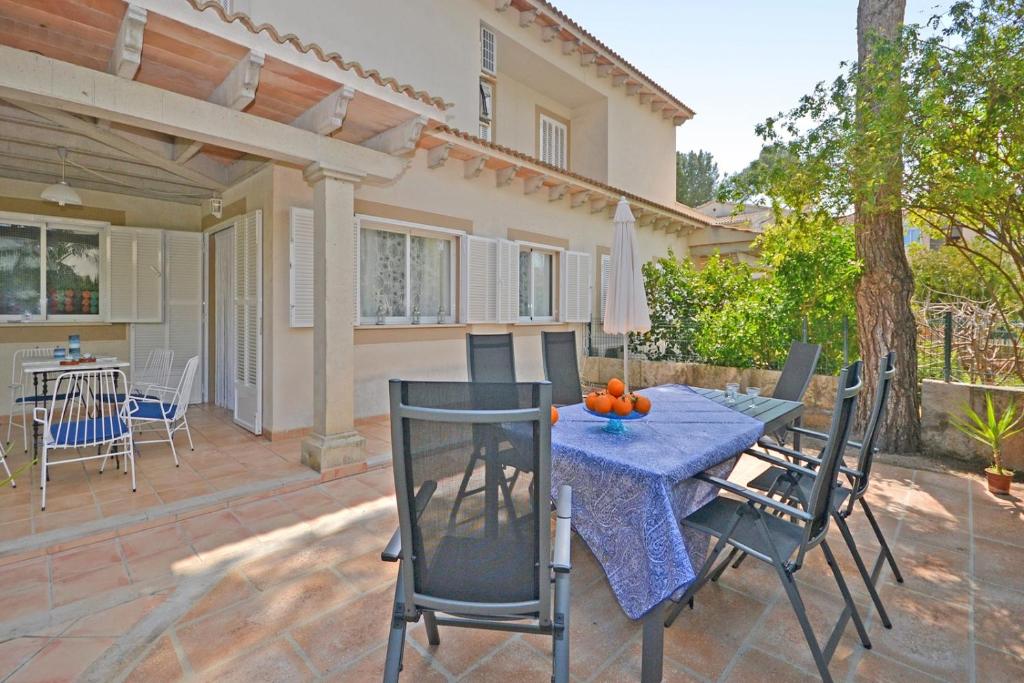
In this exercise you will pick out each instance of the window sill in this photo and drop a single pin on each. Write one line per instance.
(408, 326)
(540, 323)
(57, 323)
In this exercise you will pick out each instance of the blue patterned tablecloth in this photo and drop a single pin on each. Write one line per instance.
(629, 491)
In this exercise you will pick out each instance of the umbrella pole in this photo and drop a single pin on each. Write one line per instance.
(625, 361)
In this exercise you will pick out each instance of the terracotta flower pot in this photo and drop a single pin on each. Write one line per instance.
(998, 483)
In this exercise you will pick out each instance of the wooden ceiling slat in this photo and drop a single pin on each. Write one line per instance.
(191, 57)
(276, 109)
(162, 76)
(53, 44)
(210, 76)
(34, 16)
(275, 86)
(186, 37)
(306, 80)
(104, 15)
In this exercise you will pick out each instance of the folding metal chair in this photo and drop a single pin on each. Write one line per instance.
(167, 408)
(795, 486)
(87, 421)
(495, 570)
(801, 362)
(781, 535)
(561, 367)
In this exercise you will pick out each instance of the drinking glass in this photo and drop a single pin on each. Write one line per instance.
(731, 391)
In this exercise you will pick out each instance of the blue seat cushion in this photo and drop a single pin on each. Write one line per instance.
(87, 431)
(151, 410)
(40, 398)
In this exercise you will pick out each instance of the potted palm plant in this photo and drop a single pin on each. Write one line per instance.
(992, 430)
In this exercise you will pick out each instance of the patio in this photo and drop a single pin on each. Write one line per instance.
(289, 586)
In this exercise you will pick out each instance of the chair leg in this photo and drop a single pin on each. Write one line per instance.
(170, 440)
(461, 494)
(702, 575)
(24, 428)
(720, 569)
(560, 635)
(848, 599)
(188, 432)
(886, 552)
(3, 461)
(396, 637)
(129, 459)
(430, 624)
(789, 584)
(43, 478)
(869, 582)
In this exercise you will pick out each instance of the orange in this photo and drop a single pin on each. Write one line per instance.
(554, 415)
(591, 398)
(616, 387)
(642, 404)
(623, 406)
(603, 404)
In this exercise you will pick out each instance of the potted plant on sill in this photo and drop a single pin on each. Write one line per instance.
(992, 430)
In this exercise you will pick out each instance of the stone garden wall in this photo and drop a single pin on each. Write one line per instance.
(942, 400)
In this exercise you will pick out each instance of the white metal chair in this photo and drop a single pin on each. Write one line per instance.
(86, 422)
(166, 407)
(3, 461)
(21, 392)
(156, 372)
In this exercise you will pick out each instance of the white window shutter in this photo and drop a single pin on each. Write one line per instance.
(554, 139)
(606, 269)
(507, 285)
(488, 51)
(479, 280)
(575, 299)
(184, 319)
(121, 279)
(149, 276)
(300, 262)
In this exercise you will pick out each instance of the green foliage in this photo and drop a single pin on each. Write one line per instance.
(991, 429)
(696, 177)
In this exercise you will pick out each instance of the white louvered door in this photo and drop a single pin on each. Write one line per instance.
(224, 323)
(248, 322)
(300, 268)
(508, 282)
(479, 280)
(576, 278)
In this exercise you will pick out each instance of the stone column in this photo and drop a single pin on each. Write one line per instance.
(334, 441)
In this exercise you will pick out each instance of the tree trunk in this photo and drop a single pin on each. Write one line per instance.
(885, 321)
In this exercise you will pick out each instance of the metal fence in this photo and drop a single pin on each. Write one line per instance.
(969, 345)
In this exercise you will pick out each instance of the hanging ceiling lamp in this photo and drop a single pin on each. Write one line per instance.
(61, 192)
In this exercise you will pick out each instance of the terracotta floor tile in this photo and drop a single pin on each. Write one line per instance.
(212, 546)
(461, 648)
(706, 637)
(33, 600)
(116, 621)
(371, 668)
(999, 563)
(367, 572)
(875, 668)
(214, 639)
(273, 662)
(159, 664)
(17, 651)
(153, 541)
(185, 491)
(211, 523)
(997, 618)
(383, 480)
(340, 637)
(231, 589)
(89, 584)
(47, 520)
(63, 659)
(755, 666)
(934, 570)
(928, 634)
(997, 667)
(935, 528)
(351, 491)
(290, 562)
(1001, 523)
(516, 661)
(627, 667)
(21, 576)
(60, 501)
(172, 561)
(85, 559)
(131, 503)
(12, 530)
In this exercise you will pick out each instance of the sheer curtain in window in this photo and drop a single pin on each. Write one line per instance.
(382, 273)
(19, 269)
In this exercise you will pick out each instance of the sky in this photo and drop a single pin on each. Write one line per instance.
(734, 62)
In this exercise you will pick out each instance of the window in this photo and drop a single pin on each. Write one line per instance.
(488, 51)
(50, 271)
(406, 273)
(536, 284)
(553, 141)
(486, 101)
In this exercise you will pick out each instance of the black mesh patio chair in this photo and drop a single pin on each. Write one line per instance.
(780, 534)
(494, 570)
(561, 367)
(795, 486)
(491, 358)
(801, 362)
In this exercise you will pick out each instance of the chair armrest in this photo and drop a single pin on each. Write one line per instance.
(808, 432)
(754, 497)
(802, 456)
(788, 451)
(39, 415)
(393, 551)
(779, 462)
(563, 526)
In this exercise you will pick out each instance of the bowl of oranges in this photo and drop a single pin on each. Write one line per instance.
(616, 405)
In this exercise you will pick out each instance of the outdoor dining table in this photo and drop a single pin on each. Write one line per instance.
(40, 372)
(630, 490)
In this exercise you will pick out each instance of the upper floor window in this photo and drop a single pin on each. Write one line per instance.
(553, 140)
(49, 271)
(536, 284)
(406, 273)
(488, 51)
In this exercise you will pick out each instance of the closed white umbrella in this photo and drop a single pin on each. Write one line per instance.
(625, 307)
